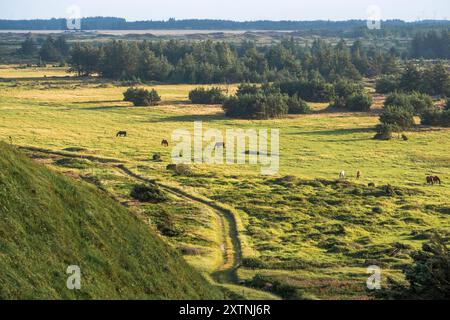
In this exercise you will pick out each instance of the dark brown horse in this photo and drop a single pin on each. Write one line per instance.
(431, 180)
(436, 179)
(165, 143)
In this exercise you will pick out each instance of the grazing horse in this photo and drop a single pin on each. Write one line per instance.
(165, 143)
(219, 145)
(431, 180)
(121, 134)
(358, 175)
(436, 179)
(342, 175)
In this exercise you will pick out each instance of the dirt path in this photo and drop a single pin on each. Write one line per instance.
(230, 247)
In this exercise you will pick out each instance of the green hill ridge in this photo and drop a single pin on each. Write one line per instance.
(49, 222)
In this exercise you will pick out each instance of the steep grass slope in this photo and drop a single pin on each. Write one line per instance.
(48, 222)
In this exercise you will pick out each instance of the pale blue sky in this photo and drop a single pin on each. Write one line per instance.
(231, 9)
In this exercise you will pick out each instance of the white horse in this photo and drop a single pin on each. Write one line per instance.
(342, 175)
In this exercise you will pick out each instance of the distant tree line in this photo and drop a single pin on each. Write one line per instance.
(431, 45)
(434, 80)
(49, 49)
(350, 28)
(220, 62)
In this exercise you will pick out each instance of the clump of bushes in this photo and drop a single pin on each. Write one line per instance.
(157, 157)
(297, 106)
(384, 132)
(207, 96)
(141, 97)
(387, 84)
(252, 102)
(313, 91)
(428, 277)
(181, 169)
(398, 117)
(148, 193)
(436, 117)
(351, 97)
(417, 103)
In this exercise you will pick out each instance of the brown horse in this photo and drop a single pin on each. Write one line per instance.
(436, 179)
(165, 143)
(431, 180)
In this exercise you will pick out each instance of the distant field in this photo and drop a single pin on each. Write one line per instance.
(308, 231)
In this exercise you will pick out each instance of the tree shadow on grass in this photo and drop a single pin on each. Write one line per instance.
(100, 108)
(191, 118)
(336, 132)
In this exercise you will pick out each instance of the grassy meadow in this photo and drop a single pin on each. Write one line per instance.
(300, 227)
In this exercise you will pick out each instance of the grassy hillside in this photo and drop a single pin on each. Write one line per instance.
(50, 222)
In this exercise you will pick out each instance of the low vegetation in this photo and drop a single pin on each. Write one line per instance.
(142, 97)
(213, 95)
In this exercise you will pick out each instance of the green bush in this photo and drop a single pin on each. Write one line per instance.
(436, 117)
(387, 84)
(207, 96)
(350, 96)
(359, 102)
(298, 106)
(398, 117)
(384, 132)
(148, 193)
(183, 170)
(313, 91)
(418, 103)
(142, 97)
(428, 276)
(266, 103)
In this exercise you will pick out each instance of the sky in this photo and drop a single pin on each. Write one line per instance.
(239, 10)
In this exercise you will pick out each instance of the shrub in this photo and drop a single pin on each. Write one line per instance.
(157, 157)
(350, 96)
(359, 102)
(256, 106)
(387, 84)
(207, 96)
(398, 117)
(428, 276)
(417, 103)
(298, 106)
(436, 117)
(183, 170)
(384, 132)
(142, 97)
(313, 91)
(148, 193)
